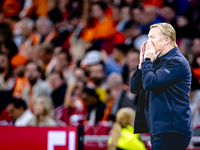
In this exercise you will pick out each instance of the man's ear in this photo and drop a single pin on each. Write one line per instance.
(167, 40)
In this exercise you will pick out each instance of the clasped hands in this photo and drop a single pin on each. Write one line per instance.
(147, 50)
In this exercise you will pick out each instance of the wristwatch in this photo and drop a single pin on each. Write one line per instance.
(147, 59)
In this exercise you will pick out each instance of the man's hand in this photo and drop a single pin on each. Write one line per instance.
(150, 51)
(142, 52)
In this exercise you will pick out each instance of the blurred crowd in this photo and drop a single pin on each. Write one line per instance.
(70, 62)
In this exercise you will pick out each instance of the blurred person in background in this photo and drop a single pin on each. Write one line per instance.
(131, 65)
(8, 47)
(169, 13)
(34, 72)
(120, 96)
(195, 51)
(45, 54)
(98, 76)
(120, 54)
(58, 85)
(20, 113)
(45, 29)
(103, 26)
(185, 27)
(26, 37)
(122, 136)
(63, 62)
(43, 112)
(95, 108)
(5, 68)
(195, 102)
(150, 17)
(136, 12)
(125, 16)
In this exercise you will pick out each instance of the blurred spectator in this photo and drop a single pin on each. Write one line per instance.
(33, 72)
(37, 8)
(169, 13)
(45, 54)
(137, 12)
(150, 17)
(8, 47)
(195, 51)
(43, 111)
(5, 32)
(120, 54)
(45, 29)
(125, 16)
(121, 99)
(20, 113)
(93, 57)
(5, 68)
(130, 66)
(133, 35)
(80, 74)
(58, 85)
(63, 62)
(26, 35)
(122, 136)
(195, 106)
(95, 107)
(98, 76)
(103, 27)
(185, 27)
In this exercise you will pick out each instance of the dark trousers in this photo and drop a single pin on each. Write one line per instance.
(169, 141)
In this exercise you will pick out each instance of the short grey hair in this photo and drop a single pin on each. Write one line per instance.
(115, 79)
(47, 21)
(28, 21)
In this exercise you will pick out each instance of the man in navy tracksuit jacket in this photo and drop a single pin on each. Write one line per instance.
(163, 85)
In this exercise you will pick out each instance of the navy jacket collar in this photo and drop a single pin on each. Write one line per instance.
(167, 56)
(170, 54)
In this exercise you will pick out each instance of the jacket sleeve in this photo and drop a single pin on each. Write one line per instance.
(169, 72)
(136, 82)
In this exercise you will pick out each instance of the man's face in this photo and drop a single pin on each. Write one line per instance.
(55, 81)
(117, 55)
(31, 72)
(125, 13)
(97, 74)
(196, 46)
(133, 60)
(156, 36)
(80, 74)
(97, 11)
(3, 63)
(61, 62)
(25, 29)
(137, 14)
(168, 13)
(42, 28)
(15, 112)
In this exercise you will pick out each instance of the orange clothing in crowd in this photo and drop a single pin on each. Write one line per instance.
(38, 8)
(101, 30)
(196, 72)
(20, 84)
(18, 60)
(157, 3)
(32, 40)
(10, 7)
(108, 109)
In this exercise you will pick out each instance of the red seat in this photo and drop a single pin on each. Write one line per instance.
(102, 128)
(89, 128)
